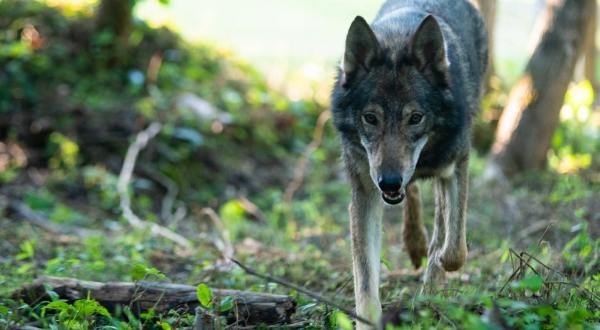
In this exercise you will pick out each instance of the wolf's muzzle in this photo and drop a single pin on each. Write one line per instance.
(391, 188)
(393, 198)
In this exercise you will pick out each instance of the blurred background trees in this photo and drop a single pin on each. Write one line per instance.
(531, 115)
(246, 163)
(488, 11)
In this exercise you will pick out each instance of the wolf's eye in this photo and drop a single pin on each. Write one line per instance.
(415, 118)
(370, 119)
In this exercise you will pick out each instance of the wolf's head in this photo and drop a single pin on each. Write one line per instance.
(395, 87)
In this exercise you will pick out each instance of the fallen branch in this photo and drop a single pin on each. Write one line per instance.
(125, 177)
(300, 289)
(249, 307)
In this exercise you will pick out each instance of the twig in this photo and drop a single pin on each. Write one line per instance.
(296, 325)
(443, 316)
(300, 170)
(125, 177)
(36, 219)
(202, 320)
(593, 298)
(313, 295)
(169, 200)
(226, 248)
(519, 270)
(535, 227)
(153, 68)
(252, 209)
(525, 259)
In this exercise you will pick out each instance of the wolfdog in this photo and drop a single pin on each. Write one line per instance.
(407, 90)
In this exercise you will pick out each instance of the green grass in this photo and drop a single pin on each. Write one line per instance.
(223, 165)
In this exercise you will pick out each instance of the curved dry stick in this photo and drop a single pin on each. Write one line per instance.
(227, 249)
(125, 177)
(300, 170)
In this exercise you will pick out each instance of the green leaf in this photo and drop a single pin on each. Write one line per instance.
(533, 283)
(577, 316)
(89, 307)
(140, 272)
(204, 295)
(27, 250)
(343, 321)
(586, 250)
(226, 304)
(59, 305)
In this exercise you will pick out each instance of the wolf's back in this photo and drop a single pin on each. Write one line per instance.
(469, 37)
(461, 15)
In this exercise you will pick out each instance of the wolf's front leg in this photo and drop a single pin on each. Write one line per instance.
(434, 273)
(365, 228)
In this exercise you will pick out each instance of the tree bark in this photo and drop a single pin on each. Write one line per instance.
(488, 11)
(531, 115)
(248, 307)
(589, 66)
(115, 16)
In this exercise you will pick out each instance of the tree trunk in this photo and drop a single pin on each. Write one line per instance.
(532, 113)
(488, 11)
(248, 307)
(115, 16)
(589, 66)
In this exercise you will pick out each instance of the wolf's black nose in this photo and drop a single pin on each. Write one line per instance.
(390, 183)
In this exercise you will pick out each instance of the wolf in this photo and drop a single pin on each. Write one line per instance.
(407, 90)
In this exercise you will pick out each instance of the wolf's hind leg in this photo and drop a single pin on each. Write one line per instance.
(454, 251)
(414, 233)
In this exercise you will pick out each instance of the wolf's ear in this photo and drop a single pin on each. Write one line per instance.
(429, 51)
(362, 49)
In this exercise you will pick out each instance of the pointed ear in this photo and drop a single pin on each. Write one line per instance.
(362, 48)
(429, 51)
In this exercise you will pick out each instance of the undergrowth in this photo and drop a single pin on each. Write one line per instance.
(68, 115)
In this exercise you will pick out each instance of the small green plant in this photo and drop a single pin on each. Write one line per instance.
(142, 272)
(82, 314)
(205, 296)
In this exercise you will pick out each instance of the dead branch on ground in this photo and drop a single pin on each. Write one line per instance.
(123, 183)
(248, 307)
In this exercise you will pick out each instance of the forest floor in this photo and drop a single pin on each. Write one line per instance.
(550, 221)
(239, 170)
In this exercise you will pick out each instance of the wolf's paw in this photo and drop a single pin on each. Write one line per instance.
(434, 277)
(415, 243)
(416, 254)
(452, 260)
